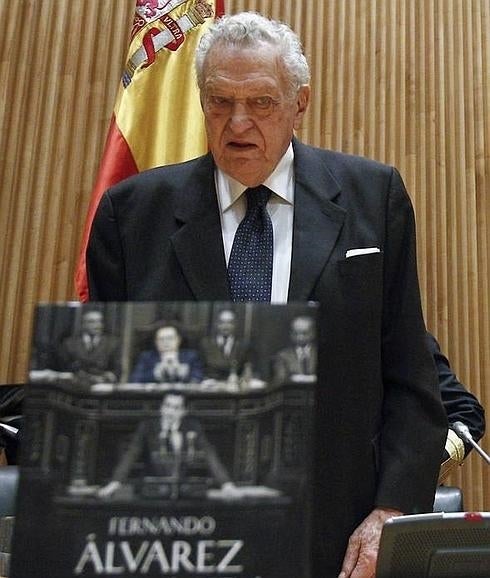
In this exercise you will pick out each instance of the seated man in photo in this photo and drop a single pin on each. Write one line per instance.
(92, 356)
(167, 362)
(298, 362)
(223, 353)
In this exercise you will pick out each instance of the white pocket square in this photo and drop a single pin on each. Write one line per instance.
(363, 251)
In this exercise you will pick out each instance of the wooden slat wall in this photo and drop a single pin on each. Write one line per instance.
(403, 81)
(60, 65)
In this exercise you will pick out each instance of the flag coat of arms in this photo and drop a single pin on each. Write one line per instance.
(157, 117)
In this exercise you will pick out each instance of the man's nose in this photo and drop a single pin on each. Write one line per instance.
(240, 119)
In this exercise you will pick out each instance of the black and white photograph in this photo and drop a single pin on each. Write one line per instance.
(192, 425)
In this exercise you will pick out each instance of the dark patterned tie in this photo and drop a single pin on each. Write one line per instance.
(250, 264)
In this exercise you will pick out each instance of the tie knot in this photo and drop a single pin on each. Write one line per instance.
(257, 196)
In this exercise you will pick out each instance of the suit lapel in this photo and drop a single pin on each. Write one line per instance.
(317, 223)
(198, 243)
(317, 220)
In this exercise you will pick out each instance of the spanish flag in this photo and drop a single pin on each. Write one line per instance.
(157, 117)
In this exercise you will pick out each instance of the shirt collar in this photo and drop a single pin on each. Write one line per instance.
(279, 182)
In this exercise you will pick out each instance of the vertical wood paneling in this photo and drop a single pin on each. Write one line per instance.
(403, 81)
(60, 66)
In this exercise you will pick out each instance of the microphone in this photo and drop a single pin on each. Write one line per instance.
(10, 430)
(463, 432)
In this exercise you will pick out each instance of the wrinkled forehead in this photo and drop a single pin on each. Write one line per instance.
(227, 63)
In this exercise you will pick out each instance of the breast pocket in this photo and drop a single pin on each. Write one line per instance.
(361, 283)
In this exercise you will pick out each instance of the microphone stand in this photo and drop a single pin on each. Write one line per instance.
(482, 453)
(464, 433)
(9, 429)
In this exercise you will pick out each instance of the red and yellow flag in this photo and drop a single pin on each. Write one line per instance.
(157, 117)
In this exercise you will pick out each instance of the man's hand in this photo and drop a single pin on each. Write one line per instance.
(108, 490)
(362, 550)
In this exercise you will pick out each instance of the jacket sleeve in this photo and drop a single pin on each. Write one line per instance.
(143, 370)
(130, 456)
(105, 263)
(216, 466)
(414, 424)
(459, 403)
(196, 372)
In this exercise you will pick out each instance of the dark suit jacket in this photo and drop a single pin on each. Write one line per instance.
(459, 403)
(74, 356)
(157, 236)
(147, 360)
(287, 363)
(217, 365)
(159, 458)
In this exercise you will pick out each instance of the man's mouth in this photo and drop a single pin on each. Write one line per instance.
(241, 145)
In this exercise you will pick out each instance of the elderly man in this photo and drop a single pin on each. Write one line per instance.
(92, 355)
(263, 217)
(223, 353)
(298, 362)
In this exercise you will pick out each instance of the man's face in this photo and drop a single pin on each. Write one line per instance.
(225, 324)
(172, 409)
(93, 323)
(167, 339)
(249, 110)
(302, 331)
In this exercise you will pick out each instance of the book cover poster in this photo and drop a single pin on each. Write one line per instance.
(167, 439)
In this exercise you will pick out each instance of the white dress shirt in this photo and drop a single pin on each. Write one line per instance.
(233, 206)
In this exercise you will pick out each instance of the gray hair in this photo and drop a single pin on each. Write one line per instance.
(248, 29)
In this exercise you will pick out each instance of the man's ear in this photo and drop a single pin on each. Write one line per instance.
(302, 100)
